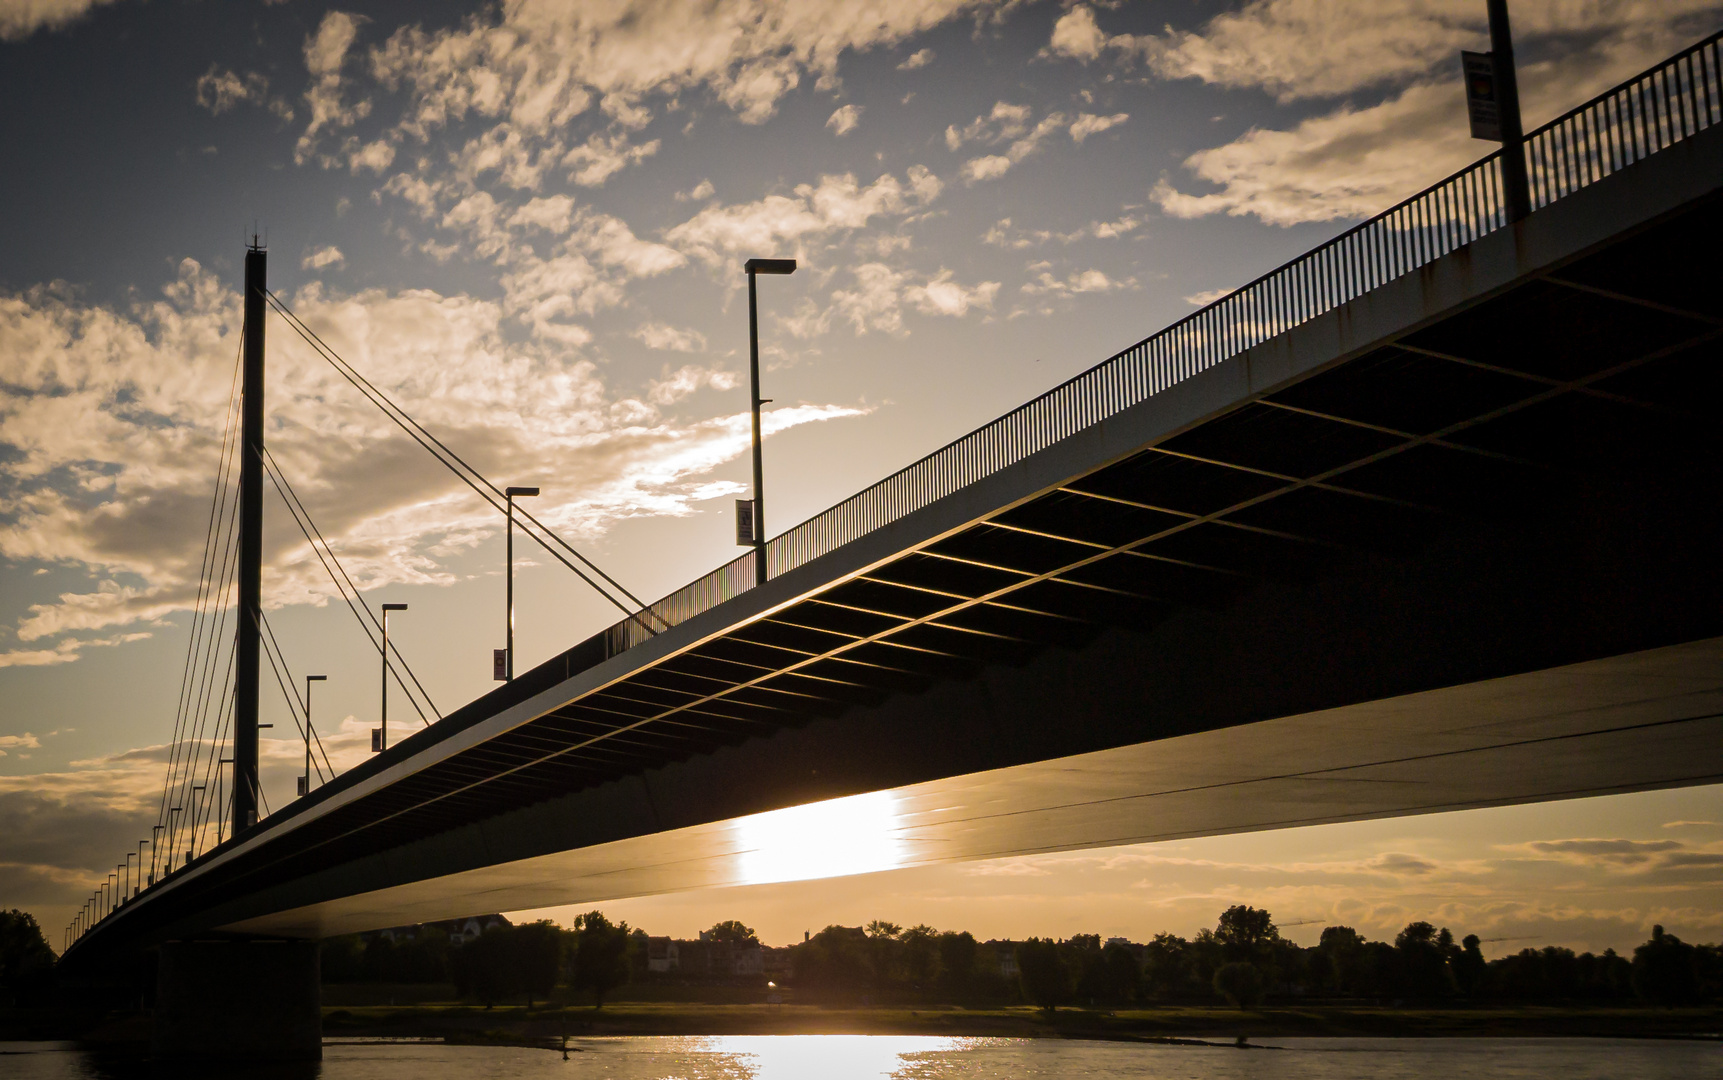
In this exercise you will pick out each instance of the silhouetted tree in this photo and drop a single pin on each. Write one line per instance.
(1239, 982)
(1045, 979)
(601, 956)
(1664, 970)
(835, 963)
(1469, 967)
(1166, 965)
(1341, 948)
(1247, 933)
(731, 932)
(1424, 960)
(537, 952)
(26, 961)
(920, 955)
(486, 968)
(957, 951)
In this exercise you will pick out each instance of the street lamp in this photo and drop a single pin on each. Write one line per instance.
(757, 516)
(155, 849)
(380, 736)
(512, 494)
(138, 886)
(305, 781)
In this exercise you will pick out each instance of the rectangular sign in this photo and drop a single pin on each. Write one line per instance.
(376, 740)
(1483, 108)
(745, 522)
(500, 665)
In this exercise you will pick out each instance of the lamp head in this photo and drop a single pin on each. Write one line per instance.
(770, 266)
(520, 492)
(394, 607)
(316, 678)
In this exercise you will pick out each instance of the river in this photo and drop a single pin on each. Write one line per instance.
(887, 1057)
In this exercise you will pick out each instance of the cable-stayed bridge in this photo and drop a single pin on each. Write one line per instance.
(1425, 519)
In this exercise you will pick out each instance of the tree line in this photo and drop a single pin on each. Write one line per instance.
(1243, 960)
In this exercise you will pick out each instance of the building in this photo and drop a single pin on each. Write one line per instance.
(663, 954)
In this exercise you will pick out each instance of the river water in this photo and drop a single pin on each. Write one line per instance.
(887, 1057)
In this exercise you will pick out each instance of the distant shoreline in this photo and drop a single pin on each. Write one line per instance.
(1168, 1024)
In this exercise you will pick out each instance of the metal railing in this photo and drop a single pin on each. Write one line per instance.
(1650, 112)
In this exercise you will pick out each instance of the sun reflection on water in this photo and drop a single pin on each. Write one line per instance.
(855, 835)
(827, 1057)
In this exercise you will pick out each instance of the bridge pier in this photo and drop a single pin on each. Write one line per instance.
(238, 1000)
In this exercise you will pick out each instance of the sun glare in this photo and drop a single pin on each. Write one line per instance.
(854, 835)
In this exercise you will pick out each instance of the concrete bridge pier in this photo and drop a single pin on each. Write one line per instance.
(256, 1000)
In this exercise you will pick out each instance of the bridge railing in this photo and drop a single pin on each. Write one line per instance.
(1648, 113)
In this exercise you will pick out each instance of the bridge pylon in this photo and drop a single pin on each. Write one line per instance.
(247, 645)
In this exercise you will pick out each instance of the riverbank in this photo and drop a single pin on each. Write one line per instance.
(463, 1023)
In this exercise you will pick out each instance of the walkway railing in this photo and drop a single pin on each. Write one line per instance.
(1666, 104)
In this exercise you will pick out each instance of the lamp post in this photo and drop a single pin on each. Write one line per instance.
(305, 781)
(380, 737)
(155, 849)
(758, 517)
(511, 495)
(138, 886)
(191, 828)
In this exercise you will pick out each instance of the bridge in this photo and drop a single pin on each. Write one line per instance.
(1424, 520)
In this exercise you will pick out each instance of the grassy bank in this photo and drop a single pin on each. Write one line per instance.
(469, 1023)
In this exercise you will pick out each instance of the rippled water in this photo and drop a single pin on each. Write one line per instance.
(886, 1057)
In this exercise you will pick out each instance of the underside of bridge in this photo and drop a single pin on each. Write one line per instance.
(1466, 556)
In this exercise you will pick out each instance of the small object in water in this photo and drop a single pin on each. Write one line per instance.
(1243, 1040)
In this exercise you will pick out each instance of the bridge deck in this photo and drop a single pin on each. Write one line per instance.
(1500, 463)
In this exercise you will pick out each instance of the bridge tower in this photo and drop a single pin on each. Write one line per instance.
(245, 685)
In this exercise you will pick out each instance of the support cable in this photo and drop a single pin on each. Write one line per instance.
(290, 690)
(205, 565)
(468, 475)
(367, 618)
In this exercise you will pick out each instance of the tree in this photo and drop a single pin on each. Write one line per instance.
(26, 960)
(601, 957)
(957, 951)
(731, 932)
(1664, 970)
(1469, 967)
(537, 949)
(1424, 959)
(920, 952)
(880, 928)
(485, 967)
(1045, 978)
(1246, 933)
(1166, 967)
(1240, 983)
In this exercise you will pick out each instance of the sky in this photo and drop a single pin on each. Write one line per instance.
(526, 221)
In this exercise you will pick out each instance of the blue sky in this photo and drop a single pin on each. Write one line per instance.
(527, 223)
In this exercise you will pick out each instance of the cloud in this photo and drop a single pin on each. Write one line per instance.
(838, 204)
(1077, 35)
(698, 193)
(328, 255)
(1004, 234)
(1005, 124)
(117, 419)
(1692, 824)
(1078, 281)
(218, 91)
(26, 741)
(1356, 160)
(670, 339)
(1612, 852)
(599, 158)
(845, 119)
(918, 59)
(539, 63)
(1207, 296)
(21, 18)
(325, 55)
(673, 386)
(880, 294)
(1088, 124)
